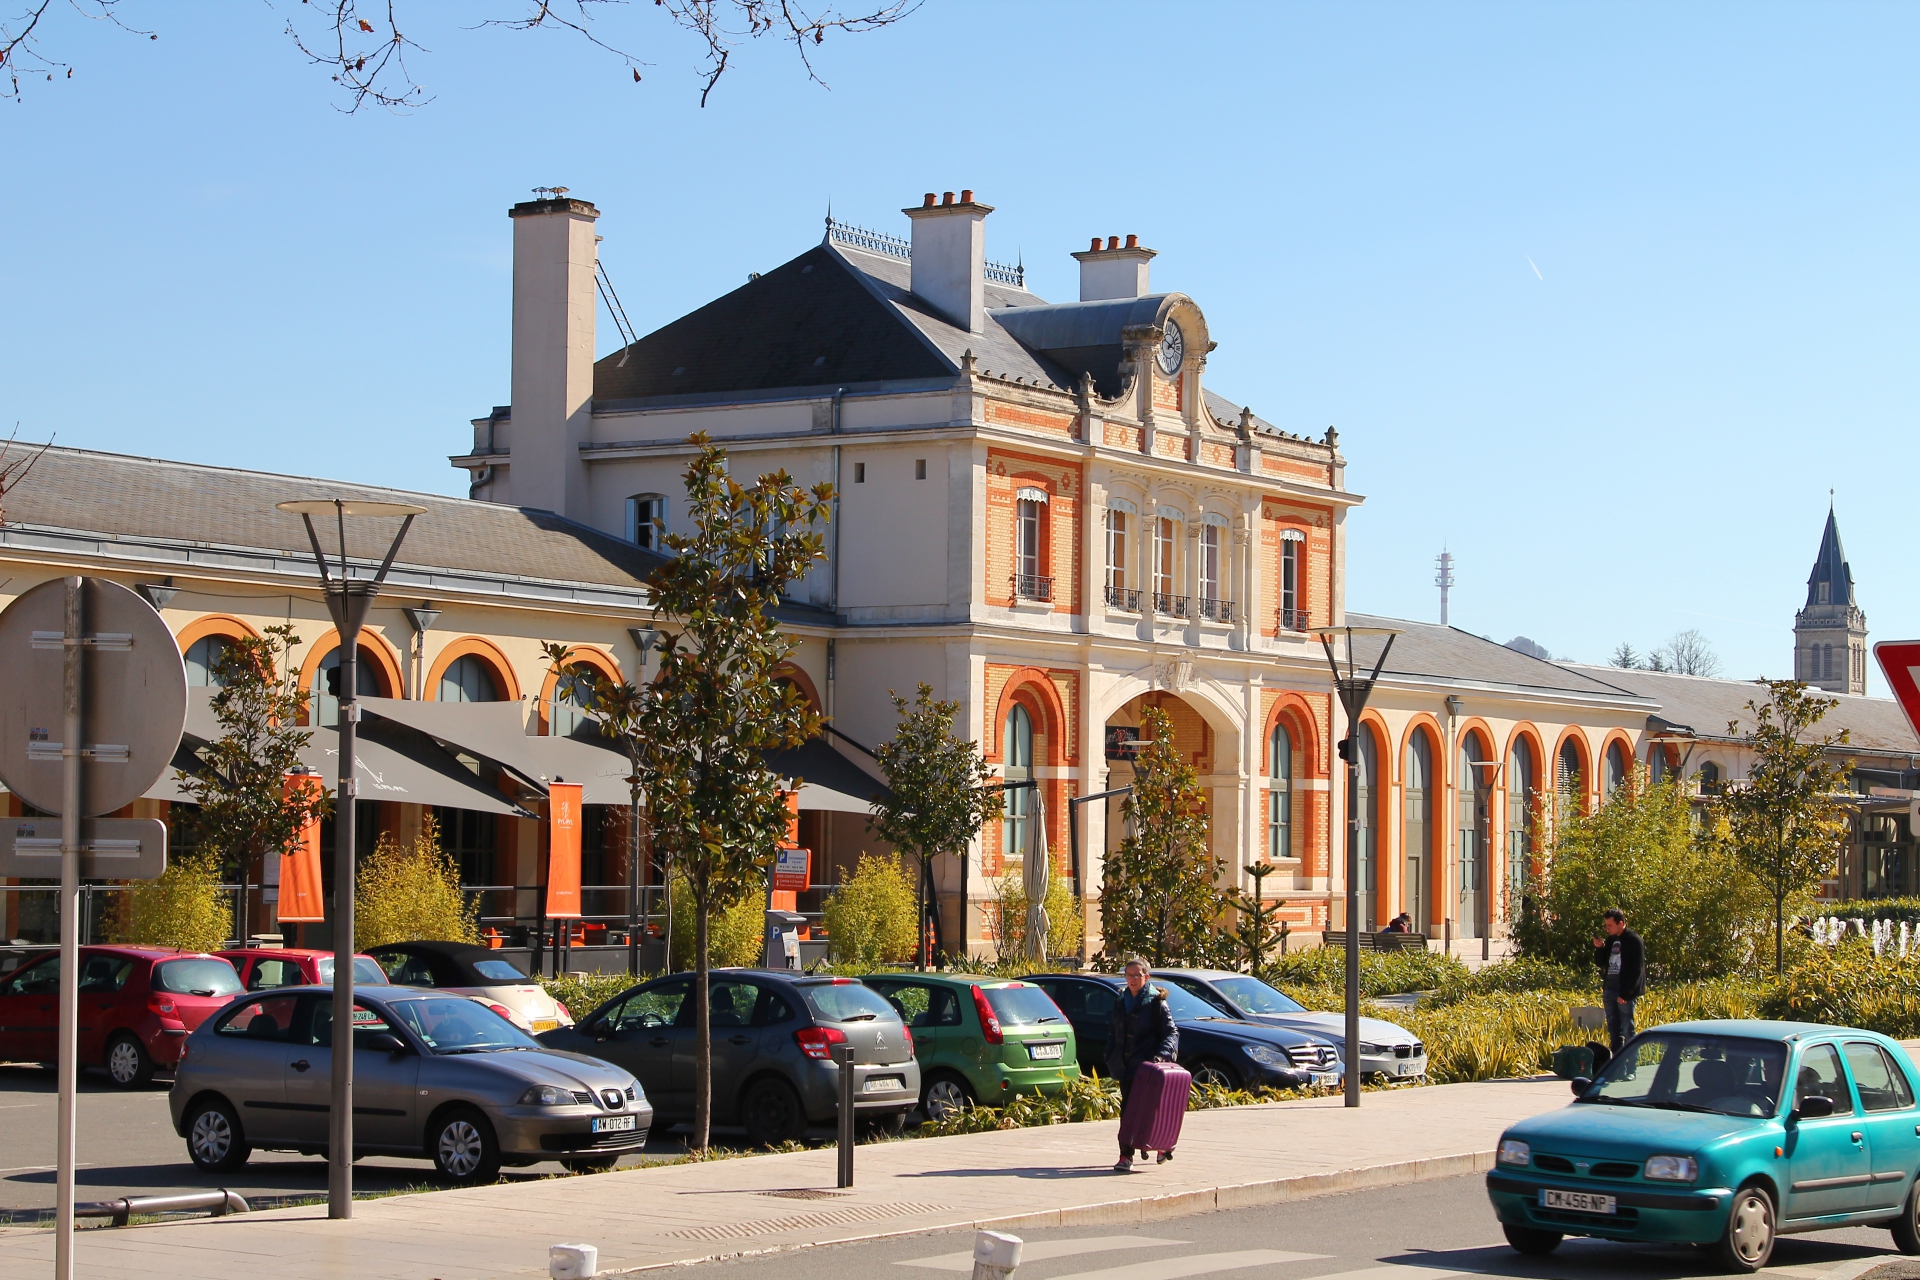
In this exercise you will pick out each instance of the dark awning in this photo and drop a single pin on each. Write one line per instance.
(496, 731)
(828, 779)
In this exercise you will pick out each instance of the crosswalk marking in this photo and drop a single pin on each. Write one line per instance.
(1393, 1271)
(1197, 1265)
(1041, 1250)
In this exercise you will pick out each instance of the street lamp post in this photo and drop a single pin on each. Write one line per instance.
(348, 601)
(1354, 690)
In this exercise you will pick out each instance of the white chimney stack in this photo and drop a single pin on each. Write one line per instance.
(1117, 271)
(950, 258)
(554, 309)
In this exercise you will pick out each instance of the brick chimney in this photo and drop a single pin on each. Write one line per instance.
(1117, 271)
(949, 257)
(554, 308)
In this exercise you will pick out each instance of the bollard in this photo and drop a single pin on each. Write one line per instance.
(572, 1261)
(843, 1055)
(995, 1255)
(121, 1211)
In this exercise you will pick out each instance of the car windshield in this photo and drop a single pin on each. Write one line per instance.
(1256, 996)
(197, 978)
(499, 972)
(1675, 1071)
(1020, 1005)
(849, 1002)
(459, 1026)
(1184, 1005)
(365, 972)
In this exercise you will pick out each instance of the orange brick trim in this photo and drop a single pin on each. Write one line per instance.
(1476, 727)
(488, 652)
(1423, 722)
(1574, 734)
(801, 681)
(587, 656)
(1303, 720)
(1035, 419)
(374, 650)
(1526, 732)
(1035, 690)
(1626, 745)
(213, 624)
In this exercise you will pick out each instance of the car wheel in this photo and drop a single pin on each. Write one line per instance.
(885, 1126)
(772, 1114)
(128, 1062)
(1906, 1227)
(1531, 1241)
(464, 1148)
(944, 1096)
(215, 1142)
(589, 1164)
(1216, 1073)
(1747, 1243)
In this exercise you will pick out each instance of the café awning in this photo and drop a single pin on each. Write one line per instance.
(496, 731)
(828, 779)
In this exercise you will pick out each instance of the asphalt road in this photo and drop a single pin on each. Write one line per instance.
(127, 1147)
(1419, 1232)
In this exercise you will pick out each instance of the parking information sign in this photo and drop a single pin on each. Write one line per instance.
(1900, 661)
(790, 870)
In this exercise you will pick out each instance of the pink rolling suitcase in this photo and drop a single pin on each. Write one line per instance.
(1155, 1107)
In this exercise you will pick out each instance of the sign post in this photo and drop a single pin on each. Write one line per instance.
(95, 664)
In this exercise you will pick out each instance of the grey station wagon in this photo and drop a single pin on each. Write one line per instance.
(436, 1077)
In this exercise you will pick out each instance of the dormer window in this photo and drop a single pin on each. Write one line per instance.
(647, 520)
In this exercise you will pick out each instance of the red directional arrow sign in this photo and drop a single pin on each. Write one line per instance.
(1900, 660)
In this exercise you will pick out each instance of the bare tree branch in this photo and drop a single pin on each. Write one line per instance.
(20, 40)
(362, 55)
(718, 22)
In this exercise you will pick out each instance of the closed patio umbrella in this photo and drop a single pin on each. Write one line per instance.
(1033, 877)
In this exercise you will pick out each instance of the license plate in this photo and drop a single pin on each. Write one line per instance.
(545, 1024)
(1038, 1051)
(884, 1084)
(1406, 1068)
(1578, 1201)
(613, 1124)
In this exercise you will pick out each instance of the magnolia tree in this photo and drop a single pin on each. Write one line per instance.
(941, 794)
(1785, 822)
(696, 736)
(1158, 894)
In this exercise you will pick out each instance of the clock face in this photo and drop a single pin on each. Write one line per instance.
(1173, 348)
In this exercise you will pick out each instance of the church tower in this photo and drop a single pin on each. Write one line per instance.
(1830, 632)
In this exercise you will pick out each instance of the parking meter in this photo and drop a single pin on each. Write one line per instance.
(783, 939)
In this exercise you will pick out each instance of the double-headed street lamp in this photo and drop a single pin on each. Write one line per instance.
(1354, 690)
(348, 600)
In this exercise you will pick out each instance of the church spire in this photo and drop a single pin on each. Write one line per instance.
(1830, 631)
(1831, 581)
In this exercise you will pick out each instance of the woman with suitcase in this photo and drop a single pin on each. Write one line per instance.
(1140, 1031)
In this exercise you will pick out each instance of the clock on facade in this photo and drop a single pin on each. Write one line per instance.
(1173, 348)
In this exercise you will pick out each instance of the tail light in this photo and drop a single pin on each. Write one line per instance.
(908, 1033)
(160, 1004)
(989, 1021)
(501, 1009)
(817, 1042)
(562, 1007)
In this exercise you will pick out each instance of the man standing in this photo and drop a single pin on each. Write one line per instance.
(1140, 1029)
(1623, 962)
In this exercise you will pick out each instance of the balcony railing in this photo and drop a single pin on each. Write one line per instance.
(1032, 586)
(1171, 605)
(1123, 598)
(1216, 610)
(1293, 619)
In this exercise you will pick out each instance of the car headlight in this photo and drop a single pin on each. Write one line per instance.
(1373, 1050)
(1513, 1151)
(547, 1095)
(1673, 1168)
(1265, 1056)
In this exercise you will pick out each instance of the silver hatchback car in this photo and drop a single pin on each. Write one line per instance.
(436, 1076)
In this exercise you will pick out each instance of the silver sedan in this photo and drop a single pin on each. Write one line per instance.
(436, 1076)
(1386, 1048)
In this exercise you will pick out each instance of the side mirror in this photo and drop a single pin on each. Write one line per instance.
(1813, 1108)
(1580, 1086)
(385, 1042)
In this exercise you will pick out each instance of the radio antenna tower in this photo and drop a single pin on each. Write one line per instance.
(1444, 580)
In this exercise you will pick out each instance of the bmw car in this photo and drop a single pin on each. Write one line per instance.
(1385, 1049)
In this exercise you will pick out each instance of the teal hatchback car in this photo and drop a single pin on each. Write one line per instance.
(1722, 1134)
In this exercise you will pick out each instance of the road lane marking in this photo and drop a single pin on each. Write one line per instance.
(1204, 1264)
(1396, 1271)
(1041, 1250)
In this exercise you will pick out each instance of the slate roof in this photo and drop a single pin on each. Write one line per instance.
(1831, 567)
(1428, 651)
(118, 496)
(1705, 705)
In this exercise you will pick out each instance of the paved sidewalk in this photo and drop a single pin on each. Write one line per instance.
(1057, 1176)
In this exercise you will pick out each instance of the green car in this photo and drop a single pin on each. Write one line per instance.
(980, 1041)
(1723, 1134)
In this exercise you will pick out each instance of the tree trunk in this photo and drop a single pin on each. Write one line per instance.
(1779, 933)
(920, 920)
(702, 1028)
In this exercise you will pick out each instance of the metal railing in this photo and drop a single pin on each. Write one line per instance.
(1216, 610)
(1171, 605)
(1293, 619)
(1123, 598)
(1032, 586)
(894, 247)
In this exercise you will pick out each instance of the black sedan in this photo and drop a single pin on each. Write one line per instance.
(1216, 1049)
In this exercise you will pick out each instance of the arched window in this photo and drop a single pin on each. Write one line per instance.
(1709, 776)
(325, 706)
(468, 679)
(1416, 827)
(1569, 781)
(203, 655)
(1017, 753)
(1520, 801)
(647, 521)
(566, 710)
(1279, 794)
(1616, 768)
(1367, 830)
(1470, 850)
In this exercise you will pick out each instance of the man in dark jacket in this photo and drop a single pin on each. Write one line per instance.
(1623, 962)
(1140, 1029)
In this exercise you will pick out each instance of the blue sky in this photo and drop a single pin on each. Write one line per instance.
(1604, 298)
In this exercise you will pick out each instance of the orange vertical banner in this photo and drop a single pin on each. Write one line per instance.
(563, 850)
(300, 896)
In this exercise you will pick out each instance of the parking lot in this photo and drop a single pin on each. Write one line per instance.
(127, 1146)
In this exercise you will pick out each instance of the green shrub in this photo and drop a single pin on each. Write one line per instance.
(1849, 986)
(736, 935)
(1006, 915)
(1522, 973)
(582, 993)
(411, 893)
(869, 919)
(185, 908)
(1381, 972)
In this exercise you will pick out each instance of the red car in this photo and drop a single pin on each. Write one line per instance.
(137, 1005)
(269, 968)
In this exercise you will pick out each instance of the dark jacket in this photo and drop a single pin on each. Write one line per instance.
(1143, 1034)
(1633, 963)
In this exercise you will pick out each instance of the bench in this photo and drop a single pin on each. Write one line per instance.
(1377, 941)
